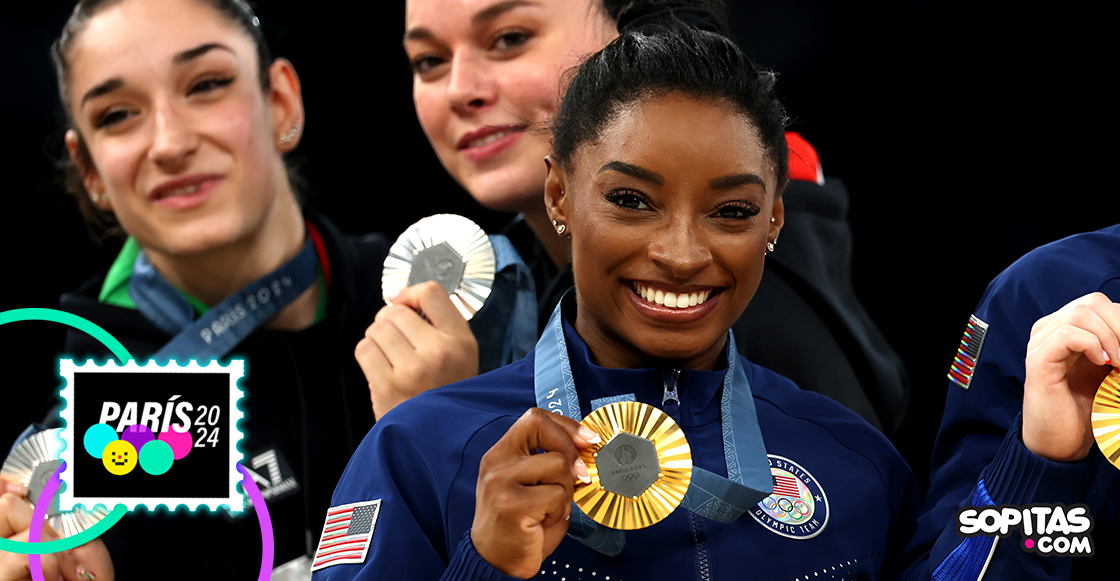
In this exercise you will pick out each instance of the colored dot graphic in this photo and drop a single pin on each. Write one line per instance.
(95, 442)
(1029, 543)
(137, 445)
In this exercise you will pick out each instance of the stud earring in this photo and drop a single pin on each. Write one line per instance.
(561, 229)
(291, 135)
(96, 197)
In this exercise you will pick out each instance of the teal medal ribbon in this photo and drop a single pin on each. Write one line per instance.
(709, 495)
(226, 325)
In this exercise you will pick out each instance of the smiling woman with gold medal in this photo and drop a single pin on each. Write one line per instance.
(666, 455)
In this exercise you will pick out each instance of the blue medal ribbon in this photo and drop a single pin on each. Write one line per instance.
(221, 329)
(506, 326)
(709, 495)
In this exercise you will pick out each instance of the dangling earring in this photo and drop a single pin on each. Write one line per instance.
(291, 135)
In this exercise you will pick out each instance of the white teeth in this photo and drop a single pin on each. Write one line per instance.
(672, 300)
(182, 191)
(489, 139)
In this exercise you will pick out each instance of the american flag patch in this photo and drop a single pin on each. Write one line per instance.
(964, 363)
(346, 534)
(786, 486)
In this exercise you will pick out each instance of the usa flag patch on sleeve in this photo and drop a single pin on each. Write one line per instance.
(964, 362)
(346, 534)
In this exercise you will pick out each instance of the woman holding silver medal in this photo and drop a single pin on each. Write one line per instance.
(668, 165)
(487, 76)
(179, 121)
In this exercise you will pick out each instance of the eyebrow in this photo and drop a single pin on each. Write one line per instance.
(728, 182)
(184, 57)
(634, 172)
(190, 54)
(480, 18)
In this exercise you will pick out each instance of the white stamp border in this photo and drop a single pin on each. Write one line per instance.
(233, 500)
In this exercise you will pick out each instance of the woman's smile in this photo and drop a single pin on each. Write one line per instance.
(669, 212)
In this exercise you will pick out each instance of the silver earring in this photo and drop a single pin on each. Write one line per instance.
(770, 246)
(561, 229)
(554, 223)
(291, 135)
(96, 197)
(771, 220)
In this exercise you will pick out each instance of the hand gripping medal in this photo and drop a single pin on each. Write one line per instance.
(32, 464)
(639, 472)
(448, 249)
(1106, 417)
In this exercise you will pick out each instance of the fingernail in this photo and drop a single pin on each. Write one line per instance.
(1107, 359)
(17, 489)
(582, 473)
(589, 435)
(85, 574)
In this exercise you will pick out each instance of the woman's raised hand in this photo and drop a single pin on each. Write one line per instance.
(403, 355)
(1070, 352)
(73, 565)
(524, 495)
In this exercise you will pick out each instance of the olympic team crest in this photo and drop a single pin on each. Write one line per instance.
(798, 508)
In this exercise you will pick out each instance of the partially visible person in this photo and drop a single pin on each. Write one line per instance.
(178, 124)
(1017, 431)
(667, 175)
(488, 77)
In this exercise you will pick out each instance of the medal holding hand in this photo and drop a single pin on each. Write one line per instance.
(670, 210)
(642, 451)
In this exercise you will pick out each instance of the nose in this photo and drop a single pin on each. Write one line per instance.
(470, 86)
(681, 248)
(174, 140)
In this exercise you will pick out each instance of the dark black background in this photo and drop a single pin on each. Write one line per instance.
(967, 134)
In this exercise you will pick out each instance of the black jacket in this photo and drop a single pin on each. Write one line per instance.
(305, 399)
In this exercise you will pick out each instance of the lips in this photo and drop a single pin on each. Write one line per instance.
(489, 141)
(185, 192)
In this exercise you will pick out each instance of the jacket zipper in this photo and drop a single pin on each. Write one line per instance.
(671, 403)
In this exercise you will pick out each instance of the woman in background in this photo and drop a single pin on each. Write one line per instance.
(179, 121)
(667, 176)
(487, 82)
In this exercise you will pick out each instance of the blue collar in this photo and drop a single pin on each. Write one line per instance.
(723, 499)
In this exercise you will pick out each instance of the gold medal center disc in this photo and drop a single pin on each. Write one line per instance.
(1106, 417)
(639, 472)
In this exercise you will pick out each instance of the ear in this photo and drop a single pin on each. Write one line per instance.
(286, 99)
(556, 200)
(91, 179)
(779, 215)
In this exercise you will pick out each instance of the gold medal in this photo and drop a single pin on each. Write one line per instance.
(1106, 417)
(639, 472)
(32, 464)
(448, 249)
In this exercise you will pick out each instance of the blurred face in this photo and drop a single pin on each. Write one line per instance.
(487, 81)
(182, 138)
(669, 214)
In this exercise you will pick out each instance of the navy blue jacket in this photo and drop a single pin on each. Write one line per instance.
(980, 440)
(421, 460)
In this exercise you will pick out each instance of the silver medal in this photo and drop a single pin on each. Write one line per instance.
(31, 464)
(448, 249)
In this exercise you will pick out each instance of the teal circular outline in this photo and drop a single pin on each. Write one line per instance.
(118, 350)
(57, 316)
